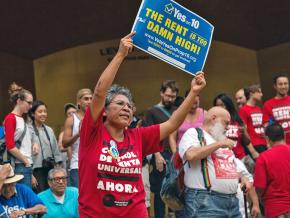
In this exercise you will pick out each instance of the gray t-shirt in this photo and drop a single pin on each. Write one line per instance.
(48, 146)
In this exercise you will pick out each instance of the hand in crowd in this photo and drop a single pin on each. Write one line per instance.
(160, 162)
(245, 185)
(34, 182)
(35, 149)
(4, 171)
(18, 213)
(198, 82)
(126, 45)
(255, 212)
(227, 143)
(27, 163)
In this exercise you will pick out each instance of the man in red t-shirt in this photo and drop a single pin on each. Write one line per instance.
(272, 172)
(252, 116)
(277, 109)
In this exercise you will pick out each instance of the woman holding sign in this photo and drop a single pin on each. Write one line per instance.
(110, 154)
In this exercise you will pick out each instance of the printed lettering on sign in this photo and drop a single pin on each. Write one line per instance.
(224, 165)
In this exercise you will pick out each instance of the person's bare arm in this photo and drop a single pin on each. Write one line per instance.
(107, 77)
(179, 115)
(37, 209)
(255, 211)
(198, 153)
(172, 142)
(253, 151)
(68, 137)
(19, 156)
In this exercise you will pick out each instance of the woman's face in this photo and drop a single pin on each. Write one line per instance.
(25, 104)
(119, 112)
(70, 112)
(220, 103)
(40, 114)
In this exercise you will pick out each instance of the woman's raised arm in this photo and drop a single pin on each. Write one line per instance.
(179, 115)
(107, 77)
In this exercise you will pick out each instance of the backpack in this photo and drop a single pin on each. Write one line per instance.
(4, 155)
(172, 189)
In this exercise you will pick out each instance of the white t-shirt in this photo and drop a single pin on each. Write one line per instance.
(75, 146)
(16, 125)
(224, 170)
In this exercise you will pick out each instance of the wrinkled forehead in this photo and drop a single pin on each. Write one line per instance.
(240, 93)
(169, 91)
(120, 97)
(28, 97)
(58, 174)
(88, 95)
(9, 185)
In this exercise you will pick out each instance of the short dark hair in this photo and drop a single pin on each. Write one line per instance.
(35, 105)
(274, 132)
(279, 75)
(68, 106)
(251, 89)
(171, 84)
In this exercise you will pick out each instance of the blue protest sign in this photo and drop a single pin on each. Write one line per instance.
(173, 34)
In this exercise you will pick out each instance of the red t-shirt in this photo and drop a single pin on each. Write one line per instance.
(109, 187)
(272, 174)
(278, 110)
(234, 133)
(253, 119)
(10, 128)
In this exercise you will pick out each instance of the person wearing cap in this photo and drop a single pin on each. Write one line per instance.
(18, 199)
(60, 200)
(71, 136)
(69, 110)
(4, 172)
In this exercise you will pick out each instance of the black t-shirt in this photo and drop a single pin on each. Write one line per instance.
(155, 115)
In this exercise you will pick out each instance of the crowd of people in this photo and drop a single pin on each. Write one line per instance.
(107, 161)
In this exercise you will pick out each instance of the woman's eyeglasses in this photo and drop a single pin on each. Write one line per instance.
(123, 104)
(28, 102)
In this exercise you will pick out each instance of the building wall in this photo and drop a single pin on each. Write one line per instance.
(59, 75)
(270, 61)
(12, 69)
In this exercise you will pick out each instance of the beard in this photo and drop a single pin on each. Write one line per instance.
(218, 132)
(167, 105)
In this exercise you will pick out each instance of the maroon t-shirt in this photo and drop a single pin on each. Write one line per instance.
(272, 174)
(278, 110)
(253, 119)
(110, 186)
